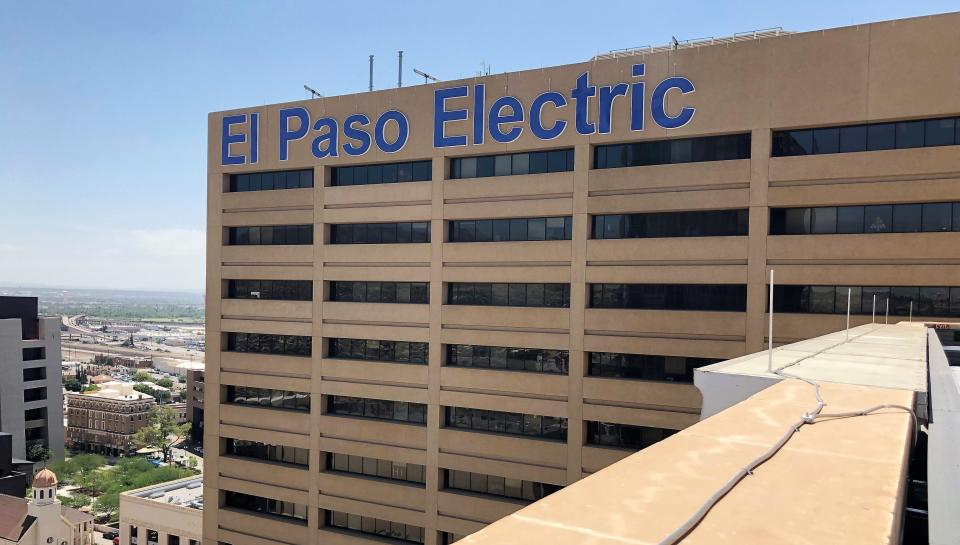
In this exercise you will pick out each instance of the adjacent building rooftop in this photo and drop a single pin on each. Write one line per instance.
(183, 493)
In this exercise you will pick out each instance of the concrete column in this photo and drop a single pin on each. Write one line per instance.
(321, 176)
(757, 270)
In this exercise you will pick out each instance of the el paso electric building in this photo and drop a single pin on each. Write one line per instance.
(437, 303)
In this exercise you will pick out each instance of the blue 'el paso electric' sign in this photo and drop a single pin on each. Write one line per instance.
(503, 122)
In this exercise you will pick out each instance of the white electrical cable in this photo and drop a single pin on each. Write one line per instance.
(808, 418)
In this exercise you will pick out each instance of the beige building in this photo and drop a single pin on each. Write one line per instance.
(476, 292)
(163, 514)
(105, 420)
(194, 399)
(43, 520)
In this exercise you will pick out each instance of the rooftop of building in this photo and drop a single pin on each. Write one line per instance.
(117, 391)
(186, 492)
(14, 520)
(836, 480)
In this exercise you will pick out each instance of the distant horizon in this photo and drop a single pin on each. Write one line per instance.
(6, 285)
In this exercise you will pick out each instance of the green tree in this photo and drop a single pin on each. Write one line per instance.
(162, 431)
(161, 395)
(142, 376)
(72, 385)
(165, 382)
(38, 453)
(75, 500)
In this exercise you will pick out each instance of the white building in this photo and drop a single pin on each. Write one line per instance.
(31, 381)
(163, 514)
(43, 520)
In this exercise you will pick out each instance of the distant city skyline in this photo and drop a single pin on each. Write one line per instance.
(103, 108)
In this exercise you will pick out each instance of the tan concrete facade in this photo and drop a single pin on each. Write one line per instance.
(886, 71)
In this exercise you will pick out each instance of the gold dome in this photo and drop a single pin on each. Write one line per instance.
(45, 479)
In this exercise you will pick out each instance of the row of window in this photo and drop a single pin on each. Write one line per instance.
(880, 218)
(510, 164)
(34, 373)
(926, 300)
(270, 235)
(534, 360)
(268, 506)
(280, 290)
(624, 436)
(378, 350)
(533, 425)
(667, 152)
(380, 233)
(493, 485)
(384, 173)
(867, 137)
(714, 297)
(265, 343)
(273, 453)
(382, 409)
(265, 397)
(645, 367)
(513, 229)
(380, 292)
(265, 181)
(700, 223)
(513, 295)
(375, 467)
(374, 526)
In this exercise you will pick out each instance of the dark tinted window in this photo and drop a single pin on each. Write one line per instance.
(867, 137)
(546, 427)
(927, 301)
(516, 229)
(884, 218)
(517, 295)
(382, 529)
(380, 292)
(716, 297)
(265, 397)
(270, 235)
(380, 409)
(645, 367)
(272, 453)
(379, 350)
(661, 152)
(376, 467)
(265, 181)
(701, 223)
(534, 360)
(389, 173)
(624, 436)
(380, 233)
(263, 343)
(295, 511)
(281, 290)
(493, 485)
(512, 164)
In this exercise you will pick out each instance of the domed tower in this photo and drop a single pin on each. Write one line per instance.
(46, 508)
(44, 487)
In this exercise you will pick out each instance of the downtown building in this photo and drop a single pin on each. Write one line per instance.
(31, 384)
(439, 303)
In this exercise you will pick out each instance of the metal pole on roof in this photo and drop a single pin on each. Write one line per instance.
(886, 317)
(873, 317)
(770, 329)
(371, 73)
(849, 291)
(911, 311)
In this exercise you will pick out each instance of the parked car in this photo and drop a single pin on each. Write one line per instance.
(110, 535)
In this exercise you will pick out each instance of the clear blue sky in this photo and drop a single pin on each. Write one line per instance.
(103, 104)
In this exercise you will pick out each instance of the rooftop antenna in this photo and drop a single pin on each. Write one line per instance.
(426, 77)
(674, 43)
(371, 73)
(313, 92)
(400, 68)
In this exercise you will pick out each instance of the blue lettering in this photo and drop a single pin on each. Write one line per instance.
(497, 118)
(441, 116)
(479, 94)
(637, 92)
(607, 95)
(581, 96)
(358, 135)
(536, 121)
(226, 138)
(330, 137)
(403, 130)
(658, 106)
(286, 135)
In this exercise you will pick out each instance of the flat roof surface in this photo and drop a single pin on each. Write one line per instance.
(886, 356)
(839, 480)
(181, 493)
